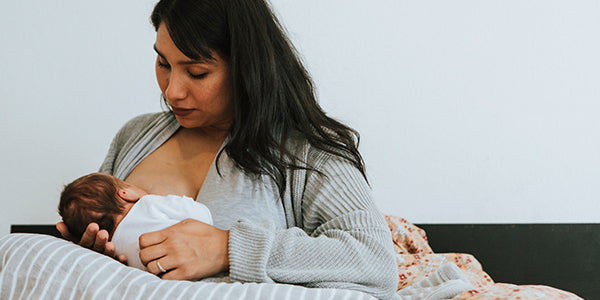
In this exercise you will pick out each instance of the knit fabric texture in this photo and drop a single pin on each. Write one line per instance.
(334, 235)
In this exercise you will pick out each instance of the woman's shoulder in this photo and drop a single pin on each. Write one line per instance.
(135, 131)
(142, 123)
(299, 146)
(146, 120)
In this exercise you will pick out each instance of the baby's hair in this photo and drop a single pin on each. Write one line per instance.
(91, 198)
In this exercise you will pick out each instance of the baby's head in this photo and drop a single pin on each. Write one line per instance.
(98, 198)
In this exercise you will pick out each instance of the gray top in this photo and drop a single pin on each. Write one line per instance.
(330, 234)
(246, 198)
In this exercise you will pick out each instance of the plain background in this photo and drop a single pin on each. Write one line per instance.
(469, 111)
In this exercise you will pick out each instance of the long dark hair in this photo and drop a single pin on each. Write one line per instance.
(273, 94)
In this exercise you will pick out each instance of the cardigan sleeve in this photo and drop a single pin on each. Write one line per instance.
(125, 138)
(344, 241)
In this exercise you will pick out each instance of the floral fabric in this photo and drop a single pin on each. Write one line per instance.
(416, 260)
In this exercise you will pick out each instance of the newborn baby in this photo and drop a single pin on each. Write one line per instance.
(124, 210)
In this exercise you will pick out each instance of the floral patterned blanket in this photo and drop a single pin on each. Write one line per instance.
(416, 261)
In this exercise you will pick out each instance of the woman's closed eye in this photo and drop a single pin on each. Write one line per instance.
(163, 64)
(193, 74)
(197, 75)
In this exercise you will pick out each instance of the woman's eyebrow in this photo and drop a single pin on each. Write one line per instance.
(186, 62)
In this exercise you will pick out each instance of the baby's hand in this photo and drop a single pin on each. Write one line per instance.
(95, 239)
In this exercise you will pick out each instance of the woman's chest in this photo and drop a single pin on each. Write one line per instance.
(175, 168)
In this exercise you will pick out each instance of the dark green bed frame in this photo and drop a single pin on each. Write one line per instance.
(565, 256)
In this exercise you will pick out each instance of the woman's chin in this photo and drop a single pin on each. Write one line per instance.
(186, 123)
(189, 122)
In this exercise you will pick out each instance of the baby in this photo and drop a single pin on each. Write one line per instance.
(124, 210)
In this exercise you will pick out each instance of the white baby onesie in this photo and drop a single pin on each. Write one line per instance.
(152, 213)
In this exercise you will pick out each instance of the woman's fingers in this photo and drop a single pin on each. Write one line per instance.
(89, 236)
(122, 258)
(173, 269)
(62, 228)
(95, 239)
(176, 274)
(109, 249)
(193, 250)
(187, 250)
(151, 253)
(100, 241)
(152, 238)
(161, 265)
(152, 248)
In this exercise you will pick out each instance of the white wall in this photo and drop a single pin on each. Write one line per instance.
(470, 111)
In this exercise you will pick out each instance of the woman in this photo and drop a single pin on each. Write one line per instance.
(245, 136)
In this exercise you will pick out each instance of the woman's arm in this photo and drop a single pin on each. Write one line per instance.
(344, 242)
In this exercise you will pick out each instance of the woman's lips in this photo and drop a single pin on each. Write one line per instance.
(182, 112)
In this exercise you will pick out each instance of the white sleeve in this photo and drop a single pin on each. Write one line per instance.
(182, 207)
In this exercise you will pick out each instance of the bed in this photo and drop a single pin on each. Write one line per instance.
(533, 257)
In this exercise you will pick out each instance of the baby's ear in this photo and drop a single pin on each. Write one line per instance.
(129, 194)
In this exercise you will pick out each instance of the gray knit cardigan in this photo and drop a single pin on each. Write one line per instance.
(336, 237)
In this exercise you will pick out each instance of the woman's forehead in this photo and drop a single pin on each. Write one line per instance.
(166, 48)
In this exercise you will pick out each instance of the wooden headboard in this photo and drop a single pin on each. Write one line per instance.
(565, 256)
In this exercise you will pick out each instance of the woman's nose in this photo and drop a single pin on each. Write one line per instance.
(176, 89)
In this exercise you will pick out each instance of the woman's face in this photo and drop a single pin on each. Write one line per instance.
(199, 92)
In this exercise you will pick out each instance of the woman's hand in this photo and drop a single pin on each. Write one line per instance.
(93, 238)
(187, 250)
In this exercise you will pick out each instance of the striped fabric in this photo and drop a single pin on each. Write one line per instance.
(43, 267)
